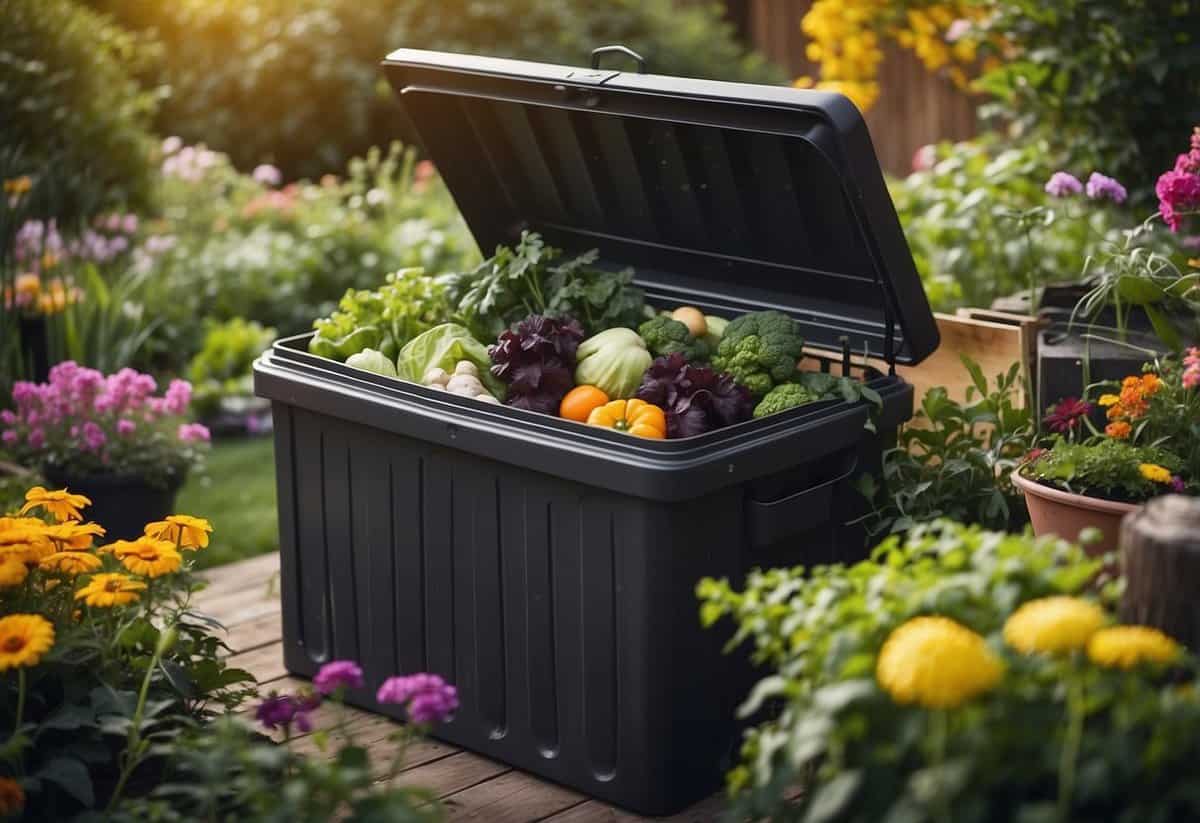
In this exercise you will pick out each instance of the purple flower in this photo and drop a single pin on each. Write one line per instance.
(282, 710)
(1067, 415)
(338, 674)
(193, 433)
(1099, 187)
(429, 699)
(267, 175)
(1177, 485)
(1062, 184)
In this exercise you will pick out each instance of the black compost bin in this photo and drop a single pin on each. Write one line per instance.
(548, 568)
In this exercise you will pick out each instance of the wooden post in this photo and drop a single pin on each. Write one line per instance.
(1160, 559)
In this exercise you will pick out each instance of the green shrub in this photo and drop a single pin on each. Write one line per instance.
(222, 366)
(72, 110)
(297, 83)
(1109, 84)
(978, 723)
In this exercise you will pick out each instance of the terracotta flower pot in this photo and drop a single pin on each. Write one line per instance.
(1064, 514)
(122, 504)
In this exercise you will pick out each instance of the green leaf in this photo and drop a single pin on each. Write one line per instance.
(71, 776)
(832, 797)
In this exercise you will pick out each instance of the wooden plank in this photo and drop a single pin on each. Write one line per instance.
(265, 662)
(594, 811)
(452, 774)
(258, 631)
(513, 797)
(241, 574)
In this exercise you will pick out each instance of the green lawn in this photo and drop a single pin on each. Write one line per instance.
(237, 495)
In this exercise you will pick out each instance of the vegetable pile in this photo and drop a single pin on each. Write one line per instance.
(566, 336)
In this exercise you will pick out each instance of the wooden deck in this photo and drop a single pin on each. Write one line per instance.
(245, 598)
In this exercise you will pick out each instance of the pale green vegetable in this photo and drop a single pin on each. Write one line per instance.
(613, 361)
(372, 360)
(444, 347)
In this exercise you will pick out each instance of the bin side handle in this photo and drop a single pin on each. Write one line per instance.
(769, 522)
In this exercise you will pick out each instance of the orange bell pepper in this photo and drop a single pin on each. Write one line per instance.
(635, 417)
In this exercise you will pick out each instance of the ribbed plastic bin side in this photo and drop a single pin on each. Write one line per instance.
(565, 614)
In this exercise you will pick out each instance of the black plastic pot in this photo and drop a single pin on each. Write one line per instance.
(123, 505)
(546, 567)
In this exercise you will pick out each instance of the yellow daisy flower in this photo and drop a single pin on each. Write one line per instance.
(1154, 473)
(1053, 624)
(12, 572)
(149, 557)
(1123, 647)
(106, 590)
(74, 535)
(24, 539)
(24, 638)
(936, 663)
(1109, 400)
(184, 530)
(12, 797)
(61, 503)
(70, 563)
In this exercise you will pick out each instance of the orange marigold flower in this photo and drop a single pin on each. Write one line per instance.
(1119, 430)
(12, 797)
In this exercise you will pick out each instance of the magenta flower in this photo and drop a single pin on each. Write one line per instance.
(193, 433)
(1178, 193)
(1063, 184)
(1100, 187)
(280, 711)
(10, 437)
(1067, 415)
(125, 427)
(338, 674)
(427, 698)
(1177, 485)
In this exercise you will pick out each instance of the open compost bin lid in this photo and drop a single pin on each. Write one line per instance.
(740, 196)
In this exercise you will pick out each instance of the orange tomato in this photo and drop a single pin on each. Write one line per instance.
(579, 402)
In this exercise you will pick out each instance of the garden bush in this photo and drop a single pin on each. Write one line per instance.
(959, 675)
(75, 117)
(298, 84)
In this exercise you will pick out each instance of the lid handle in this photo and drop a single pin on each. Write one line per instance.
(623, 50)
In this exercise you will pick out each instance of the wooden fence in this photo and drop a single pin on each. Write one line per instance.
(914, 106)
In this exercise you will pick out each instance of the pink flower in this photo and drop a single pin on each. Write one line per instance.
(171, 145)
(125, 427)
(129, 223)
(1178, 192)
(957, 30)
(338, 674)
(37, 438)
(10, 437)
(178, 397)
(1062, 184)
(428, 698)
(924, 158)
(193, 433)
(93, 436)
(267, 175)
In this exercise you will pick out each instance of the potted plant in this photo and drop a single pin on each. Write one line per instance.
(111, 439)
(1149, 446)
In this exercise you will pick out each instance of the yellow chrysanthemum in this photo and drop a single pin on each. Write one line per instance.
(184, 530)
(24, 638)
(74, 535)
(1123, 647)
(936, 663)
(12, 572)
(106, 590)
(61, 503)
(149, 557)
(1155, 473)
(1107, 400)
(24, 539)
(1053, 624)
(70, 562)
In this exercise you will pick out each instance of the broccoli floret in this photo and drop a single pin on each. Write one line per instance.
(665, 336)
(760, 350)
(783, 397)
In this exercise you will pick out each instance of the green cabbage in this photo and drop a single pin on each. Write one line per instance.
(612, 361)
(372, 360)
(443, 347)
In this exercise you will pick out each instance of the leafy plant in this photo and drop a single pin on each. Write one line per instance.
(958, 674)
(526, 280)
(221, 368)
(954, 460)
(536, 360)
(1110, 469)
(696, 399)
(105, 657)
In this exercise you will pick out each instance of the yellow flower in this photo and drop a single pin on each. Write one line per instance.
(73, 535)
(936, 663)
(12, 797)
(149, 557)
(184, 530)
(23, 539)
(1154, 473)
(105, 590)
(70, 563)
(1109, 399)
(62, 504)
(12, 572)
(24, 638)
(1123, 647)
(1053, 624)
(18, 185)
